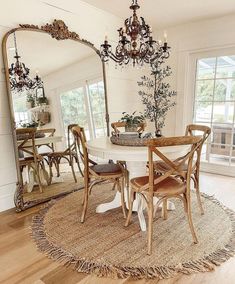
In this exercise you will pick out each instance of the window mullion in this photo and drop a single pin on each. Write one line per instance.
(89, 111)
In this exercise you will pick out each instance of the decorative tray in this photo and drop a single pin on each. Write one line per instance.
(135, 142)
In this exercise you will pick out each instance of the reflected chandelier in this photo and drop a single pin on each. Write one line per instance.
(136, 44)
(19, 75)
(18, 72)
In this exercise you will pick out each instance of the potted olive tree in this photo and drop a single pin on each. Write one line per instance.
(132, 121)
(157, 96)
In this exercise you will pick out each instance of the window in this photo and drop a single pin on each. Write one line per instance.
(86, 106)
(214, 106)
(97, 103)
(21, 113)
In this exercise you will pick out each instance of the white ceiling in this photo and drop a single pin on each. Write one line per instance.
(40, 52)
(165, 13)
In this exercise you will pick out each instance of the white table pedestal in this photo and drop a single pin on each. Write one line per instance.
(135, 169)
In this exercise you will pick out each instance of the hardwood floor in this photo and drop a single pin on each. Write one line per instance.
(20, 262)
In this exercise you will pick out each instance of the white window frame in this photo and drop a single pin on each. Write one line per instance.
(76, 85)
(186, 82)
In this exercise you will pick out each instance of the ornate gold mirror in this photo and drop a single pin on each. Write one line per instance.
(54, 79)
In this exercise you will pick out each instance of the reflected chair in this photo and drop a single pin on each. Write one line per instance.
(166, 186)
(69, 154)
(47, 132)
(97, 173)
(191, 130)
(28, 154)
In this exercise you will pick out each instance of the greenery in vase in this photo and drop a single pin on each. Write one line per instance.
(30, 99)
(42, 100)
(156, 95)
(132, 119)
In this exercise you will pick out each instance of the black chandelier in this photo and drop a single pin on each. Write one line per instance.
(18, 72)
(19, 75)
(136, 44)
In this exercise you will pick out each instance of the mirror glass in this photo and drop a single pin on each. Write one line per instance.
(59, 83)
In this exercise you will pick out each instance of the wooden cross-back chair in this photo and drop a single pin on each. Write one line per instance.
(191, 130)
(48, 132)
(69, 154)
(116, 130)
(97, 173)
(120, 124)
(28, 154)
(166, 186)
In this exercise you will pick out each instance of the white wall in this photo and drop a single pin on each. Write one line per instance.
(187, 41)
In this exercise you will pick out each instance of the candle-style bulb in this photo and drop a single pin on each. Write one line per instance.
(165, 36)
(106, 38)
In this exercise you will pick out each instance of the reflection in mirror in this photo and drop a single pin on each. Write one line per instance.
(54, 84)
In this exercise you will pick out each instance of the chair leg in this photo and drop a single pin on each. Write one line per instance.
(86, 193)
(50, 163)
(196, 186)
(122, 196)
(190, 221)
(127, 179)
(131, 200)
(57, 166)
(72, 168)
(150, 225)
(164, 209)
(79, 167)
(114, 185)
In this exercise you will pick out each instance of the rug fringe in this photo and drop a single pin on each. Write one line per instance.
(208, 263)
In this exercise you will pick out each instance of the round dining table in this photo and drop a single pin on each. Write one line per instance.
(136, 159)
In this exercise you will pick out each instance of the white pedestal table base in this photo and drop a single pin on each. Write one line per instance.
(135, 169)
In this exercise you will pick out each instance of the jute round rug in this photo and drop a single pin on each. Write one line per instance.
(103, 246)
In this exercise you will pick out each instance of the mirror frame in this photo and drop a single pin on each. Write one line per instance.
(58, 31)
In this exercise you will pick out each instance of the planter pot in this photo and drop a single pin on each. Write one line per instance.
(158, 133)
(29, 105)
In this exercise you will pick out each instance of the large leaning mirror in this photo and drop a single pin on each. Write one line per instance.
(55, 79)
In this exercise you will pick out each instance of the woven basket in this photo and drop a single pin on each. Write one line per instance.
(135, 142)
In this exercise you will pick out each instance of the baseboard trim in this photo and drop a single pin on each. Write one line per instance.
(7, 197)
(218, 169)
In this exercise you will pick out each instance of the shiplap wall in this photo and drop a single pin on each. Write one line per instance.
(7, 162)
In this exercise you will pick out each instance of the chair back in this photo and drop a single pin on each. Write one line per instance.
(28, 135)
(175, 166)
(196, 129)
(120, 124)
(70, 141)
(80, 140)
(48, 132)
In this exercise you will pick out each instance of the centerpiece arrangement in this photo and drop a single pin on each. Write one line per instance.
(132, 121)
(134, 135)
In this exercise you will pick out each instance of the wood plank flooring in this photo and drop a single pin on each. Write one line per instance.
(20, 262)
